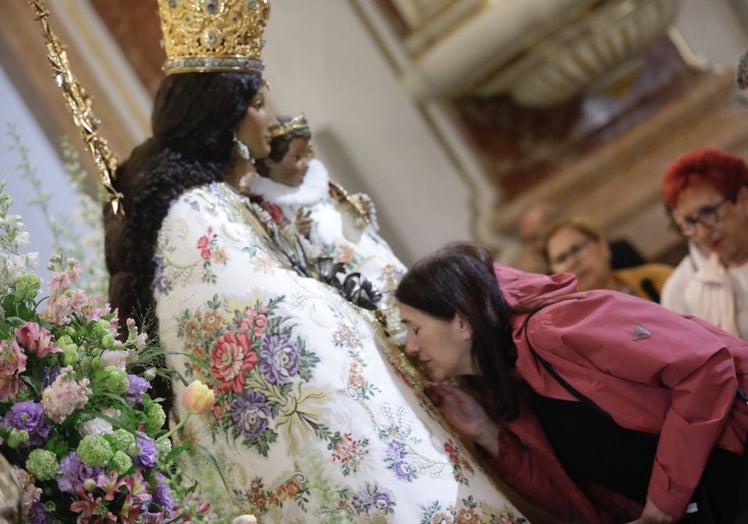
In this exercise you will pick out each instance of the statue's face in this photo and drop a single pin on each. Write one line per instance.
(291, 169)
(257, 127)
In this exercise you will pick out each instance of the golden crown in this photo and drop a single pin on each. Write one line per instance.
(296, 123)
(213, 35)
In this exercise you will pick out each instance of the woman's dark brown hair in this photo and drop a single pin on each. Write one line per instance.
(459, 279)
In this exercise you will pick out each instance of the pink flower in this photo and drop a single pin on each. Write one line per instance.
(73, 270)
(59, 307)
(36, 339)
(10, 385)
(89, 506)
(203, 244)
(65, 395)
(230, 358)
(59, 283)
(198, 398)
(12, 364)
(254, 321)
(31, 493)
(12, 358)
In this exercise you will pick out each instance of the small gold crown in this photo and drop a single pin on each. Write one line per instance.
(213, 35)
(296, 123)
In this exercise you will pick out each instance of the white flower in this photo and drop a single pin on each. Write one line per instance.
(15, 265)
(97, 426)
(22, 238)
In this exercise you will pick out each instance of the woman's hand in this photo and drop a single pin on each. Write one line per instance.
(466, 416)
(654, 515)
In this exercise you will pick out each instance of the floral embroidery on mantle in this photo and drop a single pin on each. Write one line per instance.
(319, 417)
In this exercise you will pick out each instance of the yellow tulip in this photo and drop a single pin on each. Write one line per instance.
(198, 398)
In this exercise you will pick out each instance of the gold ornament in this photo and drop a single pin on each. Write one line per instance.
(79, 104)
(213, 35)
(297, 123)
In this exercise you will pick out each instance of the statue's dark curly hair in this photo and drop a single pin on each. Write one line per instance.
(194, 119)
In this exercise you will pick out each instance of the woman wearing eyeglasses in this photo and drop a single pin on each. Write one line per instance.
(706, 192)
(577, 246)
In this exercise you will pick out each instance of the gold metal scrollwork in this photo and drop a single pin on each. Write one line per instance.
(79, 104)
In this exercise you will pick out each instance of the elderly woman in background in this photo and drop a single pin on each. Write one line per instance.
(706, 191)
(577, 246)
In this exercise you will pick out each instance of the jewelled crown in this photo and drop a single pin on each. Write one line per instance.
(213, 35)
(296, 123)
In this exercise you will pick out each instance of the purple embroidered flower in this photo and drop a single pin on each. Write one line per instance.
(279, 358)
(362, 501)
(396, 450)
(148, 453)
(29, 416)
(382, 500)
(250, 413)
(74, 472)
(136, 388)
(403, 470)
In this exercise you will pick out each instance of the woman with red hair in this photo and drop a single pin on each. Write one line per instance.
(706, 191)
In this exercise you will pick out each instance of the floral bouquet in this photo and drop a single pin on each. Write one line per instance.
(80, 428)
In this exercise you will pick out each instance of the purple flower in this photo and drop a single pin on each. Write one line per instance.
(136, 388)
(49, 374)
(148, 453)
(162, 494)
(361, 501)
(396, 450)
(36, 514)
(403, 471)
(250, 413)
(381, 500)
(74, 472)
(279, 358)
(29, 415)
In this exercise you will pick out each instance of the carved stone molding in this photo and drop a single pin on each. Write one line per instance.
(551, 52)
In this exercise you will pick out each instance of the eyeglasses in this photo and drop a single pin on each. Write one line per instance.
(706, 216)
(574, 250)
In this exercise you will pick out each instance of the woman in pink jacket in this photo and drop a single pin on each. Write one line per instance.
(596, 406)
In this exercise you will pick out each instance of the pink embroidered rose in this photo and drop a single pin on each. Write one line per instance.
(254, 321)
(203, 244)
(230, 359)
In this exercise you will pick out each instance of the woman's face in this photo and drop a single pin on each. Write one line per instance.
(718, 223)
(257, 127)
(442, 347)
(570, 250)
(291, 169)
